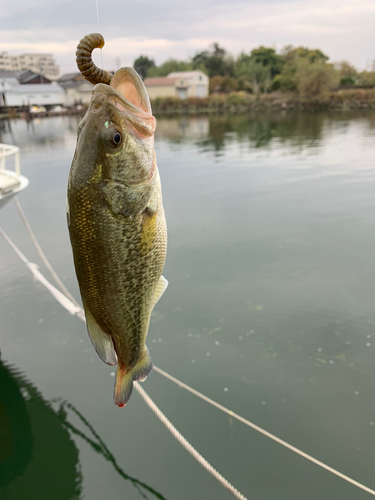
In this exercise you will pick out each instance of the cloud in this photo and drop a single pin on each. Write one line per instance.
(166, 28)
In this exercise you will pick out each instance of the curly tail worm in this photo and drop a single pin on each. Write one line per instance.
(84, 60)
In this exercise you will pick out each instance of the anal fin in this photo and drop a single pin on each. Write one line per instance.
(100, 340)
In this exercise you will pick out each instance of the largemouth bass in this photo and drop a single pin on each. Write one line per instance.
(117, 225)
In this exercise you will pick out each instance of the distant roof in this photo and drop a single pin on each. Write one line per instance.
(160, 81)
(70, 77)
(185, 74)
(81, 84)
(36, 88)
(27, 75)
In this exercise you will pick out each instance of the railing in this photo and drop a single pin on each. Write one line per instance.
(5, 151)
(11, 181)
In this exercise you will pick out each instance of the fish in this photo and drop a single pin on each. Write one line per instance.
(116, 220)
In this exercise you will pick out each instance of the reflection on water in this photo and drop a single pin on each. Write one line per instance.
(38, 458)
(206, 131)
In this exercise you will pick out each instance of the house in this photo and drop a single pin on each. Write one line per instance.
(77, 90)
(27, 77)
(39, 94)
(8, 80)
(180, 84)
(197, 82)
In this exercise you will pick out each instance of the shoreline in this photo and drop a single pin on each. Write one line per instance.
(236, 102)
(240, 102)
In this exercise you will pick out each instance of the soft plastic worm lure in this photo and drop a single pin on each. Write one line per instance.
(86, 65)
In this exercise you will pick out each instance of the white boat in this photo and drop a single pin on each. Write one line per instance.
(11, 181)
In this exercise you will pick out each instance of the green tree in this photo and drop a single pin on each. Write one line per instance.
(252, 75)
(223, 84)
(170, 66)
(292, 54)
(347, 73)
(295, 58)
(216, 61)
(268, 57)
(142, 65)
(366, 78)
(314, 80)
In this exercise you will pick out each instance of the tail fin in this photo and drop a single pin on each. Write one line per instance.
(124, 379)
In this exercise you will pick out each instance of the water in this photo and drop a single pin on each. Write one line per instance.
(270, 311)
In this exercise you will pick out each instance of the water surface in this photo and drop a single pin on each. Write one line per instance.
(270, 311)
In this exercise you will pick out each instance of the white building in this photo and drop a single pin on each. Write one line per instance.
(77, 89)
(8, 62)
(39, 63)
(40, 94)
(180, 84)
(8, 80)
(196, 82)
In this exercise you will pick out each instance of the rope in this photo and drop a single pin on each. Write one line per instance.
(264, 432)
(71, 307)
(33, 268)
(42, 255)
(180, 438)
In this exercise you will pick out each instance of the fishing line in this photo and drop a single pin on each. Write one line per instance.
(67, 304)
(97, 15)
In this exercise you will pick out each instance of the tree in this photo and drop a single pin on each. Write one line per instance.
(142, 65)
(291, 54)
(314, 80)
(348, 73)
(366, 78)
(268, 57)
(215, 60)
(296, 58)
(169, 66)
(251, 74)
(223, 84)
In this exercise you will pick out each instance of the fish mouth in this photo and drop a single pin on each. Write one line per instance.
(130, 97)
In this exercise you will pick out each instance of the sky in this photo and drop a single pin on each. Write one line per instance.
(342, 29)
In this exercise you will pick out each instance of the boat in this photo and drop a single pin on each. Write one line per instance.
(11, 181)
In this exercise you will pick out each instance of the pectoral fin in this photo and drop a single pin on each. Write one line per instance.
(101, 341)
(125, 200)
(160, 289)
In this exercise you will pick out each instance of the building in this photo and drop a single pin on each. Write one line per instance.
(28, 77)
(77, 89)
(180, 84)
(8, 80)
(197, 82)
(8, 62)
(39, 63)
(39, 94)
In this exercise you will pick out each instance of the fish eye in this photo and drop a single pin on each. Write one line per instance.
(115, 138)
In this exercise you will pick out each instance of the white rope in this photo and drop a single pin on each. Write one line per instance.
(264, 432)
(33, 268)
(42, 254)
(180, 438)
(71, 307)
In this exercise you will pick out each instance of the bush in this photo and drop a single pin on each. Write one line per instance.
(315, 80)
(223, 84)
(238, 99)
